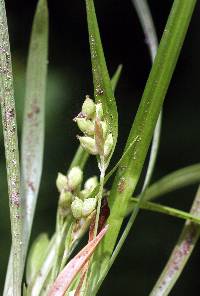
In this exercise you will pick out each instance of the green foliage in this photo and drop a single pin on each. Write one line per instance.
(11, 150)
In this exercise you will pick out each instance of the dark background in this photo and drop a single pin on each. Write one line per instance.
(153, 235)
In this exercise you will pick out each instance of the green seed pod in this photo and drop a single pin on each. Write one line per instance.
(65, 199)
(86, 126)
(83, 194)
(88, 108)
(108, 145)
(89, 186)
(91, 183)
(88, 144)
(99, 111)
(61, 182)
(89, 206)
(74, 177)
(77, 207)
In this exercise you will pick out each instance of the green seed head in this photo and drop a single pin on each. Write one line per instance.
(77, 207)
(89, 206)
(88, 144)
(89, 186)
(86, 126)
(108, 145)
(88, 108)
(74, 177)
(91, 183)
(65, 199)
(61, 182)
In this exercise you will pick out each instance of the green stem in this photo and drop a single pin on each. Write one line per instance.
(154, 207)
(99, 196)
(148, 27)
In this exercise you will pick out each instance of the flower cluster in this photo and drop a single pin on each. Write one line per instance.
(72, 199)
(97, 139)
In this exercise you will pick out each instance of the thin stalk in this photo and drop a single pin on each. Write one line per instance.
(148, 27)
(173, 181)
(158, 208)
(99, 197)
(11, 150)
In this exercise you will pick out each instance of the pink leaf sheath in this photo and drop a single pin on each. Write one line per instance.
(68, 274)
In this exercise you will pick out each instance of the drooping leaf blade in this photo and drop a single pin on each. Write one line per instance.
(11, 151)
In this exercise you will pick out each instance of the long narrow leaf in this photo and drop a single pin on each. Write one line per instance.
(11, 150)
(144, 124)
(147, 24)
(33, 125)
(180, 254)
(103, 91)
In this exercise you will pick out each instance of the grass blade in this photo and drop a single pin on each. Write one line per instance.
(180, 254)
(103, 90)
(33, 125)
(148, 27)
(144, 124)
(11, 150)
(147, 24)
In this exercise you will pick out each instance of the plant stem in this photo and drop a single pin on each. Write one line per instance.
(99, 196)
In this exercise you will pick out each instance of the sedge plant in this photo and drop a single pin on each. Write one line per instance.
(52, 265)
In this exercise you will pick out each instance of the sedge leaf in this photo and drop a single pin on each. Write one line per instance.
(143, 126)
(11, 153)
(36, 256)
(180, 254)
(33, 126)
(103, 91)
